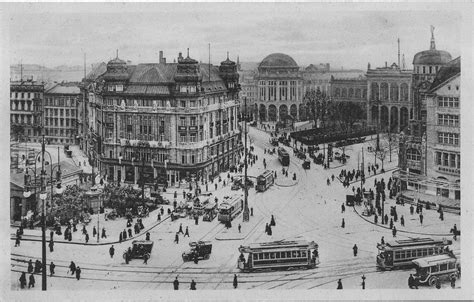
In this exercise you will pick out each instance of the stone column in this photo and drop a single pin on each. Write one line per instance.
(136, 175)
(389, 88)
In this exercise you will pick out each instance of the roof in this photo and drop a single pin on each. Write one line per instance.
(432, 57)
(278, 60)
(70, 88)
(97, 70)
(445, 73)
(434, 260)
(280, 244)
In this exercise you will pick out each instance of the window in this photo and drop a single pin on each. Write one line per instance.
(266, 255)
(450, 102)
(183, 159)
(119, 88)
(448, 138)
(255, 256)
(448, 120)
(272, 255)
(182, 138)
(193, 137)
(413, 154)
(193, 121)
(183, 104)
(182, 121)
(192, 103)
(434, 269)
(288, 254)
(424, 69)
(443, 267)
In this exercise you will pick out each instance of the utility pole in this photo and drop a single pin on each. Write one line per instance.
(43, 219)
(246, 204)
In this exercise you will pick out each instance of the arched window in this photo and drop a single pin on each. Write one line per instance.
(337, 93)
(375, 91)
(344, 92)
(413, 154)
(404, 92)
(357, 93)
(384, 91)
(393, 92)
(351, 92)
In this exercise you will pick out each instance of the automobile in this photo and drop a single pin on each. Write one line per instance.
(238, 181)
(202, 249)
(301, 155)
(236, 185)
(274, 141)
(253, 124)
(139, 249)
(306, 164)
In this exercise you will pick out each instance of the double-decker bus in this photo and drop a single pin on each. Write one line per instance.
(400, 253)
(278, 255)
(264, 181)
(283, 157)
(230, 208)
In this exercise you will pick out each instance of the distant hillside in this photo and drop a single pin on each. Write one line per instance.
(44, 74)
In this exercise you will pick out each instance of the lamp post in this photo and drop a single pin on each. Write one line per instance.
(246, 215)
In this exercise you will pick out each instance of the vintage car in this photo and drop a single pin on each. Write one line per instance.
(139, 249)
(201, 248)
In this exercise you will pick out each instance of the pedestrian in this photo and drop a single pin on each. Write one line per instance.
(38, 266)
(145, 258)
(112, 251)
(236, 283)
(391, 223)
(186, 233)
(129, 233)
(87, 238)
(394, 231)
(180, 228)
(51, 234)
(411, 282)
(363, 281)
(354, 249)
(272, 221)
(411, 209)
(402, 221)
(78, 273)
(72, 267)
(51, 246)
(30, 267)
(438, 283)
(239, 227)
(32, 281)
(84, 231)
(382, 241)
(176, 283)
(51, 268)
(17, 240)
(343, 208)
(453, 281)
(269, 231)
(343, 225)
(376, 218)
(23, 280)
(147, 236)
(176, 238)
(193, 285)
(339, 284)
(103, 233)
(94, 232)
(266, 228)
(421, 218)
(120, 237)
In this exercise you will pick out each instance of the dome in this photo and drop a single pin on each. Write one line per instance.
(116, 61)
(278, 60)
(432, 57)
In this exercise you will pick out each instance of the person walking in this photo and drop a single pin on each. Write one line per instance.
(32, 281)
(94, 232)
(343, 208)
(402, 221)
(176, 283)
(180, 228)
(72, 268)
(176, 238)
(22, 280)
(239, 227)
(363, 281)
(78, 273)
(120, 237)
(186, 233)
(129, 233)
(382, 241)
(112, 251)
(51, 268)
(145, 258)
(236, 282)
(87, 237)
(453, 281)
(51, 246)
(391, 223)
(339, 284)
(193, 285)
(272, 221)
(17, 240)
(343, 225)
(354, 249)
(103, 233)
(30, 267)
(421, 218)
(394, 231)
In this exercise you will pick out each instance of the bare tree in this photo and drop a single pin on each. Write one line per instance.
(391, 140)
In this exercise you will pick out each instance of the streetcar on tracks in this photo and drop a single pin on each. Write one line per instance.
(430, 269)
(283, 157)
(400, 253)
(230, 208)
(284, 254)
(264, 181)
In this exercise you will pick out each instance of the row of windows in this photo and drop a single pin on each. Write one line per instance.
(280, 83)
(443, 267)
(448, 120)
(223, 147)
(163, 103)
(382, 92)
(448, 102)
(60, 112)
(409, 254)
(413, 154)
(427, 69)
(61, 101)
(22, 95)
(118, 88)
(59, 122)
(448, 138)
(356, 93)
(60, 132)
(448, 159)
(279, 255)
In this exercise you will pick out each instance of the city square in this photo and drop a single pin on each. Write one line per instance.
(207, 166)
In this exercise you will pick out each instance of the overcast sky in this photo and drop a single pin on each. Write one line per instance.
(342, 35)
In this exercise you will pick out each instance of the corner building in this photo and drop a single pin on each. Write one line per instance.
(165, 122)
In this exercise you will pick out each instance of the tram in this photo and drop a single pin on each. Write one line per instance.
(230, 208)
(400, 253)
(278, 255)
(264, 181)
(283, 157)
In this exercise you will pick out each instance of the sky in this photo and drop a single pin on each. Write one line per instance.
(347, 36)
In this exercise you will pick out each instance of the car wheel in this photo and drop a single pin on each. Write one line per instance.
(432, 280)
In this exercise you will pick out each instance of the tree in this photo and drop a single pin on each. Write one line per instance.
(18, 131)
(391, 140)
(317, 103)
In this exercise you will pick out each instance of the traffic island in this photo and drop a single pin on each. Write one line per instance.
(247, 228)
(283, 181)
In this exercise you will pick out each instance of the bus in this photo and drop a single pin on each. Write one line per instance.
(283, 156)
(282, 254)
(400, 253)
(230, 208)
(264, 181)
(430, 269)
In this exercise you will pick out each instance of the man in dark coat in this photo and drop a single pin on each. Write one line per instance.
(186, 233)
(176, 284)
(72, 268)
(103, 233)
(235, 281)
(147, 235)
(51, 268)
(120, 237)
(176, 238)
(354, 249)
(272, 221)
(94, 232)
(78, 273)
(193, 285)
(180, 228)
(124, 235)
(30, 267)
(112, 251)
(129, 233)
(339, 284)
(343, 224)
(37, 266)
(23, 280)
(51, 246)
(32, 281)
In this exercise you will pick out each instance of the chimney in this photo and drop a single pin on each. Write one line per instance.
(164, 60)
(161, 56)
(180, 57)
(385, 64)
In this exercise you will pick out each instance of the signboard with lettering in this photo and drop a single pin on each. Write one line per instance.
(181, 128)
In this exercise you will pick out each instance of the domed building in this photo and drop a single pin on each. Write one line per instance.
(280, 89)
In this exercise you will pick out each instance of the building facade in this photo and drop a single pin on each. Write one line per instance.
(26, 110)
(164, 122)
(280, 89)
(61, 105)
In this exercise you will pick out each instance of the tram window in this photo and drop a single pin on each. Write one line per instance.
(255, 256)
(402, 254)
(267, 256)
(451, 265)
(408, 254)
(288, 254)
(293, 254)
(418, 253)
(278, 255)
(298, 254)
(397, 255)
(272, 255)
(443, 267)
(260, 256)
(434, 269)
(425, 252)
(303, 254)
